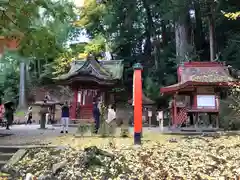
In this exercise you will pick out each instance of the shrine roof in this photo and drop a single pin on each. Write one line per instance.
(101, 69)
(200, 73)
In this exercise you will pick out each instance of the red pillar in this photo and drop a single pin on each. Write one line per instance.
(74, 104)
(174, 111)
(137, 97)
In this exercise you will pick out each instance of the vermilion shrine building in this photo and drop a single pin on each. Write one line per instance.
(10, 43)
(88, 79)
(197, 92)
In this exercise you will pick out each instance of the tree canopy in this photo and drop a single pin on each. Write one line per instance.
(160, 34)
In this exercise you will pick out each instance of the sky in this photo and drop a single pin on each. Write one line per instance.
(82, 37)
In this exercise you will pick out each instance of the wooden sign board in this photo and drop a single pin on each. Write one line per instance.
(160, 115)
(205, 90)
(149, 113)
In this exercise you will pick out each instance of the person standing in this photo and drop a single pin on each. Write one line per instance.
(111, 114)
(96, 116)
(9, 111)
(2, 111)
(29, 115)
(65, 117)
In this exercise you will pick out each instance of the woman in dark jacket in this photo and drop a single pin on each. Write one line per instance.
(96, 116)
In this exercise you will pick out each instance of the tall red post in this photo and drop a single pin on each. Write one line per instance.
(137, 98)
(74, 105)
(174, 111)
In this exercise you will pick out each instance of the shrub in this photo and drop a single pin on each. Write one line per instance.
(230, 110)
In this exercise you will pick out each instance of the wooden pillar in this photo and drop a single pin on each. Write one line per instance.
(217, 121)
(74, 104)
(53, 112)
(196, 120)
(210, 118)
(174, 110)
(217, 107)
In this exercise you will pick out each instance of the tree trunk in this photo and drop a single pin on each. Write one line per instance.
(22, 95)
(165, 37)
(199, 36)
(182, 45)
(28, 77)
(211, 36)
(35, 67)
(39, 67)
(149, 29)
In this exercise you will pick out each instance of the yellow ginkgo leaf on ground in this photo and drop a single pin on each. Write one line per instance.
(158, 158)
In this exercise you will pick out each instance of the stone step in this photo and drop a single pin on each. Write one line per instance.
(5, 156)
(8, 149)
(2, 163)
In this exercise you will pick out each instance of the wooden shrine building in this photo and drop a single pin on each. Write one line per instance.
(89, 79)
(196, 95)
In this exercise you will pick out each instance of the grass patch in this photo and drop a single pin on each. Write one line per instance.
(20, 113)
(149, 139)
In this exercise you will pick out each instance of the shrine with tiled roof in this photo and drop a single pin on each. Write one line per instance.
(89, 79)
(197, 92)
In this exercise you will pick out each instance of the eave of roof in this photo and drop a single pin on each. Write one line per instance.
(106, 70)
(176, 87)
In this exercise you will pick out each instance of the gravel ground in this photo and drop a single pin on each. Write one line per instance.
(30, 134)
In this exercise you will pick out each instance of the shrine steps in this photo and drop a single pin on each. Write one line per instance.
(6, 153)
(85, 112)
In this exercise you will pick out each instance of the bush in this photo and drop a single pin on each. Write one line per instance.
(229, 114)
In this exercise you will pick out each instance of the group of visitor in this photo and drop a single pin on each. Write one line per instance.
(96, 116)
(7, 115)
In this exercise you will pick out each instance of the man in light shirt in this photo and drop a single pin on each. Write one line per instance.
(111, 114)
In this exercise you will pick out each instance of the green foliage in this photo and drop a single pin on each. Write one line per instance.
(42, 28)
(61, 65)
(230, 110)
(78, 48)
(83, 128)
(229, 118)
(91, 13)
(95, 46)
(151, 88)
(136, 31)
(9, 75)
(80, 51)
